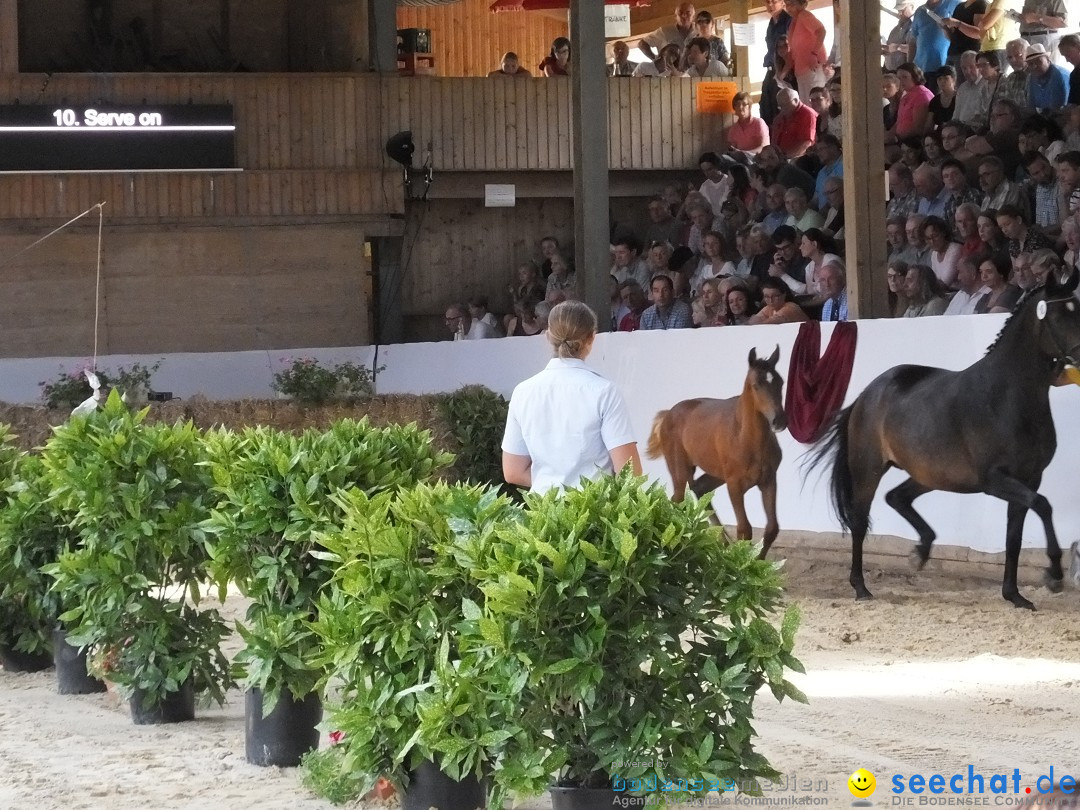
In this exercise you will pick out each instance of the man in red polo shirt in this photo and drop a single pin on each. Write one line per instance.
(794, 129)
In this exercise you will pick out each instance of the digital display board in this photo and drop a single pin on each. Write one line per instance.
(107, 137)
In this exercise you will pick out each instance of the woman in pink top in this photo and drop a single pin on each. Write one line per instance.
(913, 113)
(806, 43)
(748, 135)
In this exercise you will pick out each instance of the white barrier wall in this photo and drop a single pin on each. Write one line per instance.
(654, 370)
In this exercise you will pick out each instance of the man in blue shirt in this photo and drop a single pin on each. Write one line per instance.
(931, 40)
(1048, 84)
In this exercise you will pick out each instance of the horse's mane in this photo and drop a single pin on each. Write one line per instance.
(1026, 296)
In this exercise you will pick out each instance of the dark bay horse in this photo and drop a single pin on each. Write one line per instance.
(985, 429)
(731, 441)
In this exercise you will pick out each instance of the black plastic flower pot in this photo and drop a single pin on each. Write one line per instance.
(175, 707)
(14, 661)
(71, 675)
(431, 788)
(286, 734)
(578, 798)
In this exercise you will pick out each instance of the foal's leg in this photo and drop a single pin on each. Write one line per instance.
(743, 529)
(704, 484)
(1020, 495)
(772, 527)
(901, 499)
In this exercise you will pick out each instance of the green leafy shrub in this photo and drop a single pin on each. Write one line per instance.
(477, 419)
(70, 388)
(645, 637)
(136, 493)
(276, 494)
(308, 382)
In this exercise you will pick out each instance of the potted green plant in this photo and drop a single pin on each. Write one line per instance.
(416, 705)
(132, 585)
(275, 494)
(646, 637)
(25, 605)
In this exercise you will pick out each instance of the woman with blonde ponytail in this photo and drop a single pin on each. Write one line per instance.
(567, 422)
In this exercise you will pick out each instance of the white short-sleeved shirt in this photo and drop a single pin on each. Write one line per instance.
(567, 419)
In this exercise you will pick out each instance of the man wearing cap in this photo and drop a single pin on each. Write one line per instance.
(1048, 84)
(1041, 20)
(895, 49)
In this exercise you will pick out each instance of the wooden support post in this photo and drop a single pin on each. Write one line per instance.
(389, 322)
(864, 161)
(9, 36)
(592, 241)
(383, 35)
(740, 13)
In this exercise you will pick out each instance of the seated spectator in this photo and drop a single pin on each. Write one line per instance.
(954, 137)
(934, 150)
(1070, 232)
(666, 312)
(628, 262)
(925, 293)
(954, 180)
(942, 107)
(782, 172)
(733, 216)
(529, 284)
(999, 192)
(562, 283)
(739, 307)
(701, 223)
(743, 246)
(896, 277)
(896, 235)
(833, 279)
(905, 200)
(1046, 263)
(663, 227)
(800, 215)
(511, 66)
(718, 183)
(1014, 87)
(705, 26)
(618, 308)
(831, 155)
(1003, 139)
(836, 111)
(971, 288)
(1001, 296)
(795, 128)
(557, 62)
(621, 64)
(993, 239)
(933, 196)
(635, 302)
(699, 61)
(1050, 208)
(972, 100)
(819, 103)
(712, 264)
(912, 116)
(464, 327)
(665, 66)
(1023, 275)
(818, 249)
(834, 213)
(944, 253)
(890, 97)
(1048, 84)
(1067, 169)
(708, 308)
(478, 311)
(742, 190)
(525, 321)
(747, 134)
(911, 153)
(916, 239)
(656, 258)
(762, 248)
(1022, 239)
(549, 247)
(776, 210)
(777, 304)
(967, 230)
(680, 281)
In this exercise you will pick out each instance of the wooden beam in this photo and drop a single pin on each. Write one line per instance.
(740, 13)
(9, 36)
(382, 34)
(864, 161)
(592, 242)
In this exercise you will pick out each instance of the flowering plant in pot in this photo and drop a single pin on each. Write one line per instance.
(646, 638)
(417, 706)
(132, 585)
(276, 492)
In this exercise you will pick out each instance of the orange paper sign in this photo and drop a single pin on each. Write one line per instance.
(715, 97)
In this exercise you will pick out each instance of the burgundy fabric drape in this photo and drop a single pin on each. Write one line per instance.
(817, 384)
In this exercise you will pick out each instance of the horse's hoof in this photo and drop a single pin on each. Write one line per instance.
(863, 595)
(1053, 584)
(1019, 601)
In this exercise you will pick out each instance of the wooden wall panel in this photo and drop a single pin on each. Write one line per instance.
(185, 290)
(468, 39)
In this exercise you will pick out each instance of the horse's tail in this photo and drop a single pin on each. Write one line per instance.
(834, 444)
(655, 448)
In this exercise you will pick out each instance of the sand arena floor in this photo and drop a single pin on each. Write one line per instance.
(936, 674)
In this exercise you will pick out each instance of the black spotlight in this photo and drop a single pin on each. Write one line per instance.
(400, 148)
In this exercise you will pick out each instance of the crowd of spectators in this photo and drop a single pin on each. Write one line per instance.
(982, 137)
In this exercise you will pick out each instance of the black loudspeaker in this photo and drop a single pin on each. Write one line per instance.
(400, 148)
